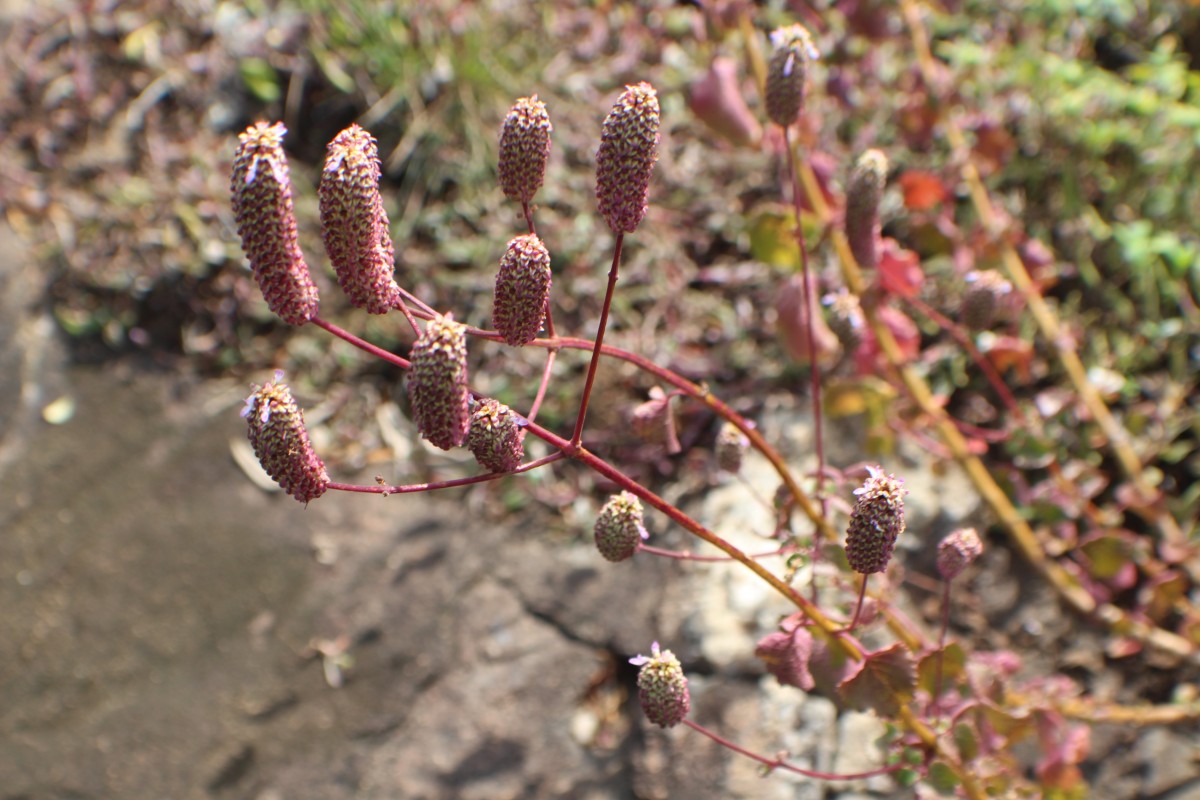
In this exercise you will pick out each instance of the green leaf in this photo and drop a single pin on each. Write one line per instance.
(953, 663)
(260, 78)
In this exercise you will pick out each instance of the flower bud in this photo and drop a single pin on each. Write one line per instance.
(266, 220)
(957, 551)
(495, 437)
(354, 224)
(662, 687)
(524, 148)
(437, 383)
(846, 319)
(628, 150)
(985, 292)
(731, 447)
(522, 288)
(280, 441)
(654, 421)
(876, 522)
(864, 192)
(619, 527)
(787, 73)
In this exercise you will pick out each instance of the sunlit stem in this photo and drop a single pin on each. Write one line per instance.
(577, 436)
(361, 344)
(411, 488)
(778, 763)
(810, 311)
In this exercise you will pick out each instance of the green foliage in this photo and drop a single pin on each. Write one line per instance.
(434, 71)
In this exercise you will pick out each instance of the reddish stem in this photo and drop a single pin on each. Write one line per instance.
(862, 593)
(810, 310)
(983, 363)
(577, 436)
(579, 453)
(361, 344)
(450, 484)
(681, 556)
(543, 385)
(779, 763)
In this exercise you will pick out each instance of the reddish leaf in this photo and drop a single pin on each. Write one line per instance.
(792, 322)
(869, 360)
(899, 270)
(922, 190)
(716, 99)
(827, 665)
(786, 654)
(884, 681)
(1063, 747)
(1008, 352)
(993, 146)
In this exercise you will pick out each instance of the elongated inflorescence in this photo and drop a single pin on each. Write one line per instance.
(280, 441)
(628, 151)
(876, 522)
(261, 192)
(662, 687)
(522, 289)
(354, 224)
(864, 191)
(495, 436)
(620, 527)
(524, 148)
(787, 73)
(437, 383)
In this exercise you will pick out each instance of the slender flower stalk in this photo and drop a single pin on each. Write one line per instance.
(628, 150)
(786, 87)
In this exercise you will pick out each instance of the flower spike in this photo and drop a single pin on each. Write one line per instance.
(524, 149)
(354, 225)
(437, 383)
(266, 221)
(662, 687)
(280, 441)
(522, 288)
(876, 522)
(628, 150)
